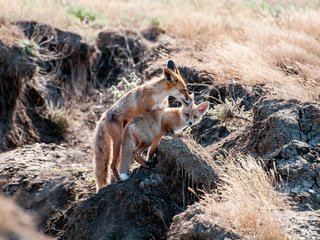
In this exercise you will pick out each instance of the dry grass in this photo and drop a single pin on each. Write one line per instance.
(58, 119)
(246, 201)
(249, 41)
(9, 34)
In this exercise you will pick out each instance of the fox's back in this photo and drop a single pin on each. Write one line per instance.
(136, 102)
(147, 125)
(127, 106)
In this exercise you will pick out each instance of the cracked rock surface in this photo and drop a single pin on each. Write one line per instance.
(45, 179)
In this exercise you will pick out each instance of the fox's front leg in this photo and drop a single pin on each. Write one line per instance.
(153, 148)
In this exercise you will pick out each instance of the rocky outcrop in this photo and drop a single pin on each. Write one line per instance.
(143, 206)
(196, 223)
(287, 135)
(298, 164)
(277, 123)
(45, 179)
(121, 53)
(65, 57)
(16, 69)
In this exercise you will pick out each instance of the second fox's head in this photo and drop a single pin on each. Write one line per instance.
(192, 114)
(176, 83)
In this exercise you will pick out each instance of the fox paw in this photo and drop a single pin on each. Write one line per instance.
(145, 165)
(123, 176)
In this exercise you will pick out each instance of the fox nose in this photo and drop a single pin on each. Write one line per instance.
(190, 123)
(187, 101)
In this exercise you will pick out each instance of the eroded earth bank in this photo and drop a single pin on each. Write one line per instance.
(51, 98)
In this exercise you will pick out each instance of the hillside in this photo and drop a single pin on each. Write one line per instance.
(249, 170)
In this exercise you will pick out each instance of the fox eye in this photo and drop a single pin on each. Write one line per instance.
(195, 116)
(187, 115)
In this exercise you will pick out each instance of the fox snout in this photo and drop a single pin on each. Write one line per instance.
(186, 100)
(190, 123)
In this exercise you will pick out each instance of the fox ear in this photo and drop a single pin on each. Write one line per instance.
(168, 74)
(203, 107)
(192, 96)
(172, 66)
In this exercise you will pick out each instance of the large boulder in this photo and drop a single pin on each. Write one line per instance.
(287, 135)
(143, 206)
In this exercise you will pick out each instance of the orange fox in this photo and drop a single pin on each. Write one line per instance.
(150, 96)
(146, 131)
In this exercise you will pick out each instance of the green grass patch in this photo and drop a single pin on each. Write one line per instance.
(126, 85)
(82, 14)
(28, 47)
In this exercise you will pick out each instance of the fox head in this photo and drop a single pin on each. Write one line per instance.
(191, 114)
(176, 84)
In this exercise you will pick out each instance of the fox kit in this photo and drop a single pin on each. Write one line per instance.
(146, 131)
(150, 96)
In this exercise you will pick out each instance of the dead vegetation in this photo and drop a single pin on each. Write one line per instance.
(250, 41)
(58, 120)
(246, 200)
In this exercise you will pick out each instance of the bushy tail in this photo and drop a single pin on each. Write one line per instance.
(126, 157)
(101, 151)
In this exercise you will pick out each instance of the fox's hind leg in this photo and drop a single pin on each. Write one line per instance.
(126, 158)
(137, 153)
(116, 130)
(153, 148)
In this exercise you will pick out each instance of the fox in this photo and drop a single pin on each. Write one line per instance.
(151, 96)
(146, 131)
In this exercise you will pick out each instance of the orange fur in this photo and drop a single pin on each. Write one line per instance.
(151, 96)
(145, 131)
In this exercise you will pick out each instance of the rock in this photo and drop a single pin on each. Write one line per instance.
(64, 55)
(287, 135)
(45, 179)
(59, 70)
(121, 53)
(143, 206)
(277, 123)
(209, 131)
(13, 78)
(299, 166)
(196, 223)
(17, 68)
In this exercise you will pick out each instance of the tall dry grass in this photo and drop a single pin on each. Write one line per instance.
(249, 41)
(246, 201)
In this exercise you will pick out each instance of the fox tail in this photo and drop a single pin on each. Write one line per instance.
(101, 159)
